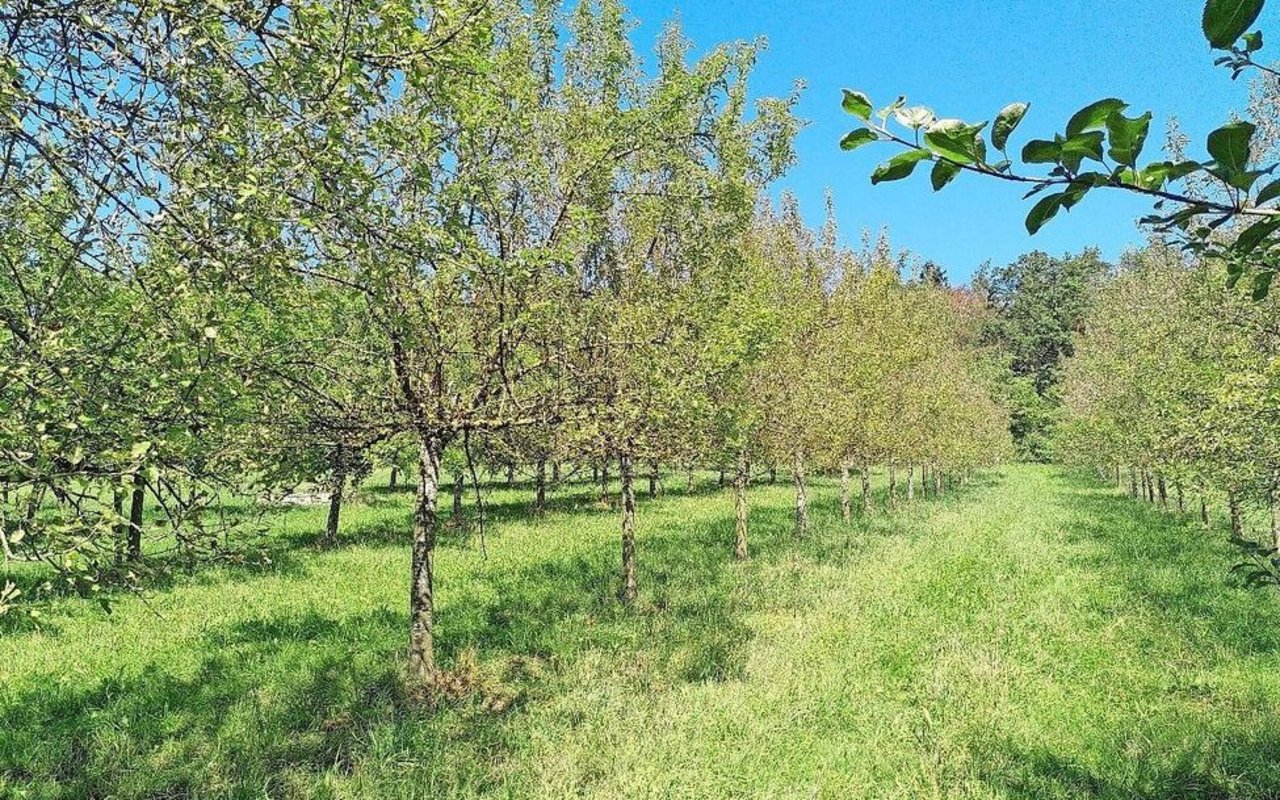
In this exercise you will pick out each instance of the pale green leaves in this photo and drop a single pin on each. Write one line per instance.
(915, 118)
(857, 104)
(1007, 122)
(1225, 21)
(1155, 176)
(957, 140)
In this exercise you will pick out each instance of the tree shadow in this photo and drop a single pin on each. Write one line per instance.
(1237, 768)
(1164, 564)
(274, 704)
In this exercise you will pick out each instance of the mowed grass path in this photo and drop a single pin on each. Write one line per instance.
(1032, 636)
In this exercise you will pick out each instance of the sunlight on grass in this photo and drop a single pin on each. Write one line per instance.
(1030, 636)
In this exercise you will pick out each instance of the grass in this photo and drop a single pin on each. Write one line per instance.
(1033, 636)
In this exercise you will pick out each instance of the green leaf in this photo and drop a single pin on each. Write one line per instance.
(1044, 211)
(956, 140)
(1255, 235)
(1225, 21)
(1262, 285)
(1127, 137)
(857, 104)
(1006, 122)
(899, 167)
(944, 172)
(1229, 146)
(1078, 188)
(1154, 176)
(1253, 42)
(1268, 193)
(1093, 117)
(1041, 151)
(1081, 146)
(855, 139)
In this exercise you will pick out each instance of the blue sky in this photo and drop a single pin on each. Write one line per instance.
(967, 58)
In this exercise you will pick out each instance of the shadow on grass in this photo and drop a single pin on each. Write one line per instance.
(275, 704)
(1039, 774)
(293, 697)
(1164, 569)
(1165, 564)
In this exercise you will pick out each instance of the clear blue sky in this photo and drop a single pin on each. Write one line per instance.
(966, 58)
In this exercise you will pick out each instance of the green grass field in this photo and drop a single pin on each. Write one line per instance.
(1032, 636)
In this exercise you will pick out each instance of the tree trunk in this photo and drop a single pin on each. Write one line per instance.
(629, 591)
(1164, 492)
(740, 508)
(511, 474)
(773, 475)
(336, 491)
(1237, 519)
(422, 655)
(555, 472)
(395, 478)
(720, 481)
(1204, 513)
(937, 482)
(1133, 483)
(846, 512)
(688, 481)
(653, 479)
(1275, 523)
(121, 530)
(540, 488)
(866, 489)
(595, 473)
(893, 486)
(802, 499)
(911, 483)
(1182, 500)
(135, 516)
(459, 488)
(604, 481)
